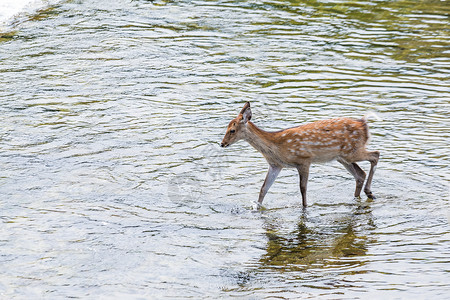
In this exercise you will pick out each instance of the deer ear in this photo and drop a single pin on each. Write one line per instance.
(246, 113)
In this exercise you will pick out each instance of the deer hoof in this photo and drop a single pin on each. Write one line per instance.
(370, 195)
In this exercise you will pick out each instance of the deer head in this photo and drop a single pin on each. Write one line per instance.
(236, 128)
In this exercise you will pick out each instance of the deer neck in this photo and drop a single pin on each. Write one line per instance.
(261, 140)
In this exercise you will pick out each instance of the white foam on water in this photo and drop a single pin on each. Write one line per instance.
(10, 10)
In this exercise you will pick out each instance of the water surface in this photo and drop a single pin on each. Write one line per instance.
(113, 184)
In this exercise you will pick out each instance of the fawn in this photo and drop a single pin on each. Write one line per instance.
(343, 139)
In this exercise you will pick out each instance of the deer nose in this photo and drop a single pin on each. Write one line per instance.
(222, 145)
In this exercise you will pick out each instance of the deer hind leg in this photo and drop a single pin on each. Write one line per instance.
(373, 159)
(357, 173)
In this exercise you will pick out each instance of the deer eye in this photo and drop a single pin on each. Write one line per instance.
(232, 131)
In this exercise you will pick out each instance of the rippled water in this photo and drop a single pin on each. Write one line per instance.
(113, 184)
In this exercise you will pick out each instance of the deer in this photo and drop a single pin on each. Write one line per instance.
(341, 139)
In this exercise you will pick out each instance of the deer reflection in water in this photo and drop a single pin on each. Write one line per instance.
(319, 247)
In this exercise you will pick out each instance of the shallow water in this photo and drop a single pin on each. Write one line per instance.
(113, 184)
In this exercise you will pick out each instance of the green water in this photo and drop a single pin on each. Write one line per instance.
(113, 183)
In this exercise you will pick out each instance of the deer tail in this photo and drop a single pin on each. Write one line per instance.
(370, 115)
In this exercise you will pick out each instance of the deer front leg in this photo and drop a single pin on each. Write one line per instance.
(303, 172)
(270, 178)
